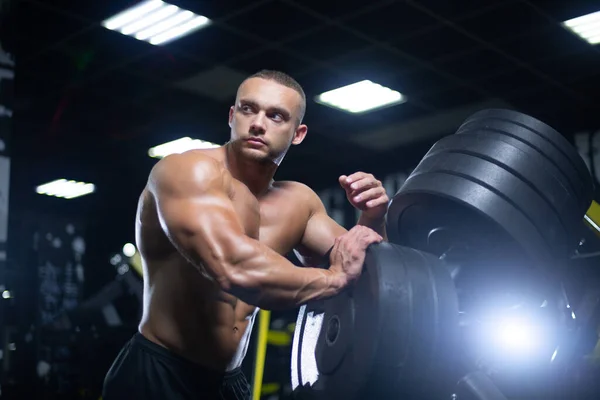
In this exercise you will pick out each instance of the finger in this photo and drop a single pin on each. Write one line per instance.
(359, 233)
(368, 194)
(372, 234)
(355, 176)
(343, 181)
(377, 239)
(370, 239)
(377, 202)
(365, 183)
(362, 231)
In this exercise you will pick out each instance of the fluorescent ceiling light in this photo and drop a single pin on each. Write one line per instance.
(179, 146)
(360, 97)
(66, 189)
(155, 22)
(586, 26)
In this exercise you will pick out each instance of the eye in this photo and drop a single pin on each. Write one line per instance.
(277, 117)
(246, 108)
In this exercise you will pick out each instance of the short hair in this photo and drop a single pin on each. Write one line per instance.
(283, 79)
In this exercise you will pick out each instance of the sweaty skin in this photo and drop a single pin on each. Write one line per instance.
(200, 306)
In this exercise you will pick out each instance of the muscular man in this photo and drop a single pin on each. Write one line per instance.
(212, 228)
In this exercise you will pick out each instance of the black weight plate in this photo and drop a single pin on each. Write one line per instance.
(339, 333)
(544, 132)
(327, 366)
(500, 182)
(418, 321)
(552, 154)
(569, 175)
(582, 188)
(481, 213)
(398, 323)
(516, 176)
(349, 356)
(527, 163)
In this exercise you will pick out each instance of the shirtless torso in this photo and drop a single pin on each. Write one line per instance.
(213, 229)
(186, 311)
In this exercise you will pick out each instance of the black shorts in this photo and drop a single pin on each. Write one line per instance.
(145, 370)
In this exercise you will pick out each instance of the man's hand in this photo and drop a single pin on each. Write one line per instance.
(348, 253)
(367, 194)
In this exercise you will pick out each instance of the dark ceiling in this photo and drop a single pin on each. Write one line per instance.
(90, 102)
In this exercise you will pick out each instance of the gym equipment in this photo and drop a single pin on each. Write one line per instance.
(592, 218)
(99, 307)
(264, 318)
(493, 210)
(505, 183)
(388, 324)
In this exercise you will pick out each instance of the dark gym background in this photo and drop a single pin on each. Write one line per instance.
(81, 102)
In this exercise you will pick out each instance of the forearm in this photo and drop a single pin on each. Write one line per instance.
(268, 280)
(377, 225)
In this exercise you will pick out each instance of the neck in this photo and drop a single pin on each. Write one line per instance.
(256, 175)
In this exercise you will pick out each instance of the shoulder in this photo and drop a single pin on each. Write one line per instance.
(189, 171)
(302, 193)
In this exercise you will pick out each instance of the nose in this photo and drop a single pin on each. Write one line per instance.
(258, 125)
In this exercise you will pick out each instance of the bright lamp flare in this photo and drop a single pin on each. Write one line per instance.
(156, 22)
(129, 249)
(179, 146)
(586, 26)
(517, 335)
(360, 97)
(66, 189)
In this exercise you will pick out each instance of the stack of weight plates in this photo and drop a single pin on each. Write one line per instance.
(505, 183)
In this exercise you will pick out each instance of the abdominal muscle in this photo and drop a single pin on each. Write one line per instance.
(188, 314)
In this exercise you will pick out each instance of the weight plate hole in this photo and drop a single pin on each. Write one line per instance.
(333, 330)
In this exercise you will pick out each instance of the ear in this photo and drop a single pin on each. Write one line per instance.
(230, 115)
(300, 134)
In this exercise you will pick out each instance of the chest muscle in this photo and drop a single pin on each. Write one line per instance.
(276, 219)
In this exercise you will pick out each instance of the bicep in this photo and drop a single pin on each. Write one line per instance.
(319, 236)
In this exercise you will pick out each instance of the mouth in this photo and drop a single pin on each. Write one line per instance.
(255, 140)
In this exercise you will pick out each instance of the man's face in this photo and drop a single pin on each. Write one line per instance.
(264, 120)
